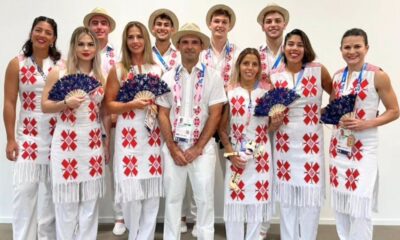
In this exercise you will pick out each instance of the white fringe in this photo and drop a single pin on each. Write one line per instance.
(31, 172)
(138, 189)
(79, 192)
(300, 196)
(355, 206)
(250, 213)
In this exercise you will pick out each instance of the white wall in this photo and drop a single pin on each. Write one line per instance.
(323, 20)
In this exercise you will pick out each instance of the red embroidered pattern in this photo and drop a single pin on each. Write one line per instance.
(154, 137)
(238, 132)
(311, 114)
(155, 165)
(238, 106)
(356, 151)
(28, 101)
(310, 142)
(363, 91)
(92, 111)
(262, 163)
(281, 84)
(95, 166)
(29, 150)
(238, 195)
(283, 170)
(95, 138)
(130, 166)
(70, 169)
(129, 137)
(333, 176)
(332, 147)
(68, 139)
(128, 115)
(309, 86)
(312, 172)
(261, 134)
(352, 179)
(52, 122)
(282, 142)
(262, 190)
(29, 127)
(360, 113)
(28, 75)
(68, 116)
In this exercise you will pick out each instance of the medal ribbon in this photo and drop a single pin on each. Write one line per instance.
(158, 54)
(359, 79)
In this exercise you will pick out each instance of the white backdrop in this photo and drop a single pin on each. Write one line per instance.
(323, 20)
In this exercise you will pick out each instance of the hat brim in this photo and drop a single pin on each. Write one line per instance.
(204, 38)
(273, 8)
(223, 7)
(157, 13)
(89, 16)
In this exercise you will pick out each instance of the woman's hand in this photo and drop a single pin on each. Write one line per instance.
(12, 150)
(276, 121)
(74, 102)
(140, 103)
(354, 124)
(238, 162)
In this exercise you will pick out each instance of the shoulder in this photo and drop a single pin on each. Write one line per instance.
(373, 68)
(313, 65)
(339, 71)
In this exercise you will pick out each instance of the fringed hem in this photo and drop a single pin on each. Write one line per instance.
(138, 189)
(355, 206)
(79, 191)
(301, 196)
(248, 212)
(30, 172)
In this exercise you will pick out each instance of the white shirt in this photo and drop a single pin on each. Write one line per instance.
(108, 59)
(171, 57)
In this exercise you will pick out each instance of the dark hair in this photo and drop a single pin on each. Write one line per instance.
(355, 32)
(164, 16)
(247, 51)
(309, 54)
(219, 12)
(27, 48)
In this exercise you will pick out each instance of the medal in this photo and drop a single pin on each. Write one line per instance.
(351, 140)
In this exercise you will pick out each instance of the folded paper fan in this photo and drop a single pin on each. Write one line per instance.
(73, 85)
(275, 101)
(338, 108)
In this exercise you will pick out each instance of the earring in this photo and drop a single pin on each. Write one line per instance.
(51, 45)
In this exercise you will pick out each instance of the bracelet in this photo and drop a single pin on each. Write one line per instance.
(230, 154)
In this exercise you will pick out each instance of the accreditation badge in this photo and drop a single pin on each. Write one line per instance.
(346, 141)
(184, 130)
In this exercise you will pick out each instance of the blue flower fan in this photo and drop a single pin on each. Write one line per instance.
(73, 85)
(144, 86)
(338, 108)
(274, 101)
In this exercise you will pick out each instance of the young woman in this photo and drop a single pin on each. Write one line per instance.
(354, 173)
(138, 167)
(25, 77)
(251, 201)
(77, 156)
(298, 142)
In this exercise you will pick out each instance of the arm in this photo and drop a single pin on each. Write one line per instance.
(106, 119)
(389, 100)
(11, 86)
(326, 80)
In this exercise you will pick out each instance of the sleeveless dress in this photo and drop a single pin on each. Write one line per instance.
(299, 143)
(77, 156)
(354, 177)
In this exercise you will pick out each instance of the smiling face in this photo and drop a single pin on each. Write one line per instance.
(354, 50)
(274, 25)
(135, 41)
(85, 48)
(163, 29)
(101, 26)
(190, 47)
(294, 49)
(249, 69)
(219, 26)
(42, 35)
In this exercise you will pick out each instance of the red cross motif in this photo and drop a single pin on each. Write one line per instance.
(172, 62)
(129, 137)
(28, 101)
(237, 170)
(262, 190)
(360, 113)
(356, 151)
(197, 110)
(96, 168)
(309, 86)
(29, 127)
(262, 163)
(332, 147)
(154, 137)
(196, 121)
(281, 84)
(70, 168)
(238, 132)
(68, 139)
(285, 117)
(352, 179)
(312, 172)
(68, 115)
(28, 75)
(92, 111)
(283, 170)
(95, 138)
(311, 114)
(261, 134)
(237, 106)
(238, 195)
(196, 135)
(29, 150)
(128, 115)
(155, 165)
(264, 76)
(310, 142)
(363, 91)
(52, 122)
(282, 142)
(130, 166)
(333, 176)
(336, 88)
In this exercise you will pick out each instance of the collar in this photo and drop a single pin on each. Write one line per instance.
(108, 47)
(198, 67)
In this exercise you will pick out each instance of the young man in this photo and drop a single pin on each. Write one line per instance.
(273, 20)
(102, 24)
(188, 117)
(162, 24)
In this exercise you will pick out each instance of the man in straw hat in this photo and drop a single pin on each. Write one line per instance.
(188, 117)
(162, 24)
(101, 23)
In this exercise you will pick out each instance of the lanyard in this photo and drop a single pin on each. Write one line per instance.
(359, 78)
(228, 50)
(160, 58)
(299, 77)
(39, 69)
(198, 86)
(277, 61)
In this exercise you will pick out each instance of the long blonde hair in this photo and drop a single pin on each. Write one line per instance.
(126, 59)
(235, 80)
(73, 61)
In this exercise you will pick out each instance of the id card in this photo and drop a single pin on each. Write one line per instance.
(150, 119)
(184, 130)
(346, 141)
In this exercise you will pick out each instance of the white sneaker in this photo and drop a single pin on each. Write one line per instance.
(183, 227)
(119, 229)
(194, 231)
(263, 236)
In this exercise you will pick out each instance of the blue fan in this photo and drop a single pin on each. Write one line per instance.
(142, 85)
(275, 100)
(74, 83)
(338, 108)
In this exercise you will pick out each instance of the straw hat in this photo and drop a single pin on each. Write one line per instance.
(157, 13)
(273, 8)
(99, 12)
(191, 29)
(223, 7)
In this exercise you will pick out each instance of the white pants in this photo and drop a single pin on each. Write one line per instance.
(299, 222)
(201, 174)
(30, 219)
(77, 221)
(141, 217)
(189, 208)
(351, 228)
(235, 230)
(116, 206)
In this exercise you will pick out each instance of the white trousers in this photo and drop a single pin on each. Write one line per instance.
(235, 231)
(189, 209)
(77, 221)
(33, 215)
(140, 218)
(299, 222)
(116, 206)
(201, 174)
(351, 228)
